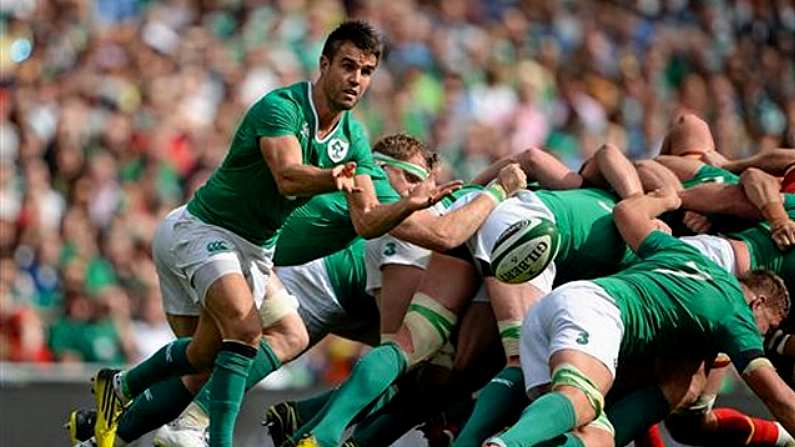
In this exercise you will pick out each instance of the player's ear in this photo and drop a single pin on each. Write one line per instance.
(324, 63)
(759, 300)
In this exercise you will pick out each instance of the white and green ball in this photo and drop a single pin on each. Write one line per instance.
(524, 250)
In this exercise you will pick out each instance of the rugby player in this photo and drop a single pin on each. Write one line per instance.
(579, 214)
(675, 293)
(222, 240)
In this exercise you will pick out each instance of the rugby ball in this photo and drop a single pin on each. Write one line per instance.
(524, 250)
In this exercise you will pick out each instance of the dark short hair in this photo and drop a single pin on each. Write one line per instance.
(402, 147)
(770, 284)
(358, 32)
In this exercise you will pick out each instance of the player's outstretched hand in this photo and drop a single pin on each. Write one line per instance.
(427, 193)
(512, 178)
(697, 223)
(783, 234)
(344, 177)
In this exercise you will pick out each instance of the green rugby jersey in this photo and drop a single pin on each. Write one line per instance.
(241, 195)
(348, 276)
(711, 174)
(323, 225)
(590, 244)
(764, 252)
(676, 299)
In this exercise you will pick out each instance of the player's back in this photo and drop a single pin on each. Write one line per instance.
(674, 299)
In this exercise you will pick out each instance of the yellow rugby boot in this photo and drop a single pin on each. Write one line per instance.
(109, 407)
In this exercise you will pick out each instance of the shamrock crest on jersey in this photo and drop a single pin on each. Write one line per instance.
(337, 150)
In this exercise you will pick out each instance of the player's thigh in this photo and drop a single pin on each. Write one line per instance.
(450, 281)
(592, 436)
(231, 304)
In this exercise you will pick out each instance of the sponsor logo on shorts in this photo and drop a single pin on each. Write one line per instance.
(215, 246)
(337, 150)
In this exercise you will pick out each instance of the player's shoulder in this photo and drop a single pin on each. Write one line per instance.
(294, 95)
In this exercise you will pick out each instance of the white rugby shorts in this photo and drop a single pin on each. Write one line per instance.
(184, 245)
(320, 309)
(579, 316)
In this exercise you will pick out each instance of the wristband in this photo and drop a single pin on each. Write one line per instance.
(496, 192)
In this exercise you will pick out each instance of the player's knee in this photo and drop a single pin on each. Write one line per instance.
(287, 338)
(429, 325)
(247, 330)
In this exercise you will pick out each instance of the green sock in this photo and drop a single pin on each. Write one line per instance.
(498, 405)
(372, 375)
(160, 404)
(227, 387)
(307, 409)
(551, 415)
(264, 363)
(171, 360)
(567, 440)
(636, 412)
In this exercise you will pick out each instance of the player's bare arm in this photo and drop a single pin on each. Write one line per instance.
(293, 178)
(635, 216)
(774, 392)
(372, 219)
(539, 165)
(683, 168)
(764, 191)
(719, 198)
(446, 232)
(775, 161)
(654, 175)
(609, 166)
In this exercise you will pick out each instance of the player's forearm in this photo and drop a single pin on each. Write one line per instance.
(543, 167)
(777, 396)
(654, 175)
(763, 190)
(619, 172)
(375, 220)
(442, 233)
(646, 207)
(490, 173)
(304, 180)
(719, 198)
(774, 161)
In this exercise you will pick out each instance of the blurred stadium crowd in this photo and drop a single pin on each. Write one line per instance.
(113, 111)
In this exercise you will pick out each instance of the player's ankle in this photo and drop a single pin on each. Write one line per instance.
(120, 387)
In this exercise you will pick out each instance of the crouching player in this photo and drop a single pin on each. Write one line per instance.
(571, 341)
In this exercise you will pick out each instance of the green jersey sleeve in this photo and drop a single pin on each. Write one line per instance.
(739, 338)
(276, 115)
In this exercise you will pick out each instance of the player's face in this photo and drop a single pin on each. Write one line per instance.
(403, 181)
(347, 76)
